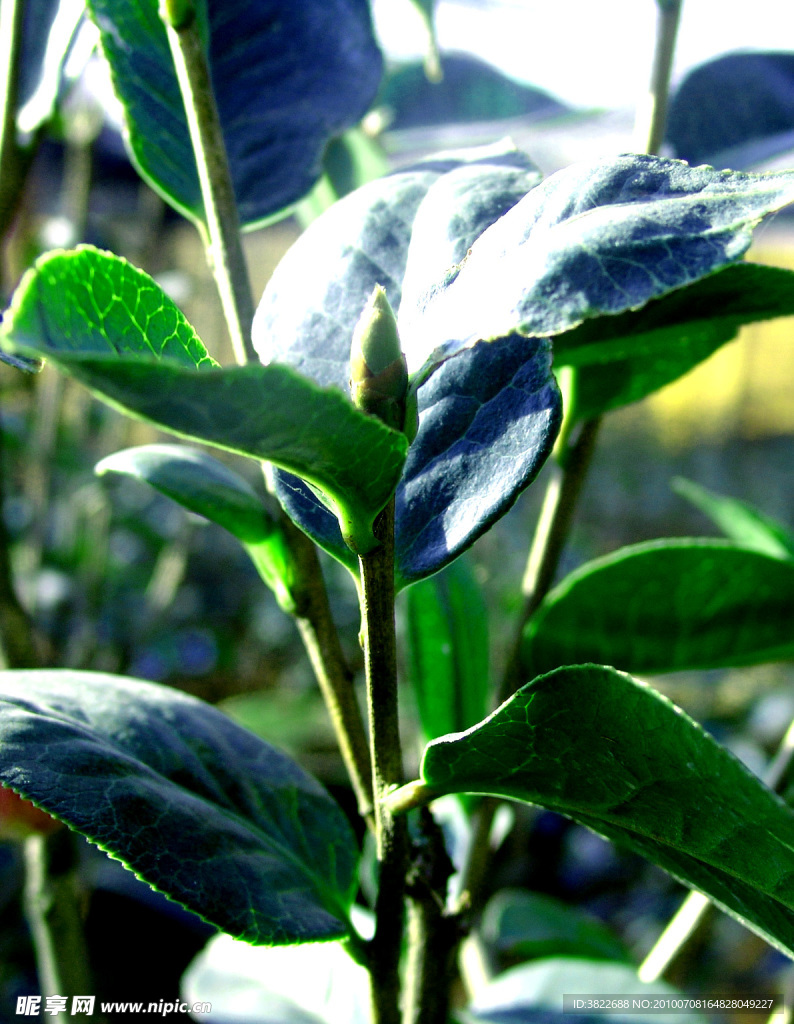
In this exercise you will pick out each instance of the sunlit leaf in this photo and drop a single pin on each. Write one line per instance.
(611, 753)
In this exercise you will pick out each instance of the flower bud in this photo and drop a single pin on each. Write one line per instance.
(378, 374)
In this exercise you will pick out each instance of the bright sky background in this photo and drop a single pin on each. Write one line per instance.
(589, 53)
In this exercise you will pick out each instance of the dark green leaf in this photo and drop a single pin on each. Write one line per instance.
(595, 238)
(667, 605)
(88, 301)
(448, 650)
(207, 487)
(286, 76)
(610, 752)
(112, 328)
(487, 422)
(739, 521)
(623, 358)
(525, 925)
(196, 806)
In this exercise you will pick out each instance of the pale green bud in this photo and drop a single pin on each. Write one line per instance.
(378, 374)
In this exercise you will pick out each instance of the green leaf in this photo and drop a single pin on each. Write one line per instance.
(287, 77)
(88, 301)
(741, 522)
(199, 808)
(527, 926)
(202, 484)
(120, 336)
(595, 238)
(667, 605)
(608, 751)
(448, 650)
(623, 358)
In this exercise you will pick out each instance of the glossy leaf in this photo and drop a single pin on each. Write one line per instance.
(487, 423)
(199, 808)
(611, 753)
(447, 638)
(533, 994)
(113, 328)
(623, 358)
(667, 605)
(598, 237)
(85, 301)
(287, 77)
(524, 925)
(738, 520)
(206, 486)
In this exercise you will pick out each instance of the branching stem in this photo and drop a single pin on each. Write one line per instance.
(227, 260)
(53, 914)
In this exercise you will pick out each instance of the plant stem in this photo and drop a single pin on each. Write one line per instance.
(380, 660)
(651, 119)
(574, 459)
(13, 161)
(696, 908)
(53, 915)
(433, 933)
(227, 260)
(321, 640)
(222, 226)
(551, 533)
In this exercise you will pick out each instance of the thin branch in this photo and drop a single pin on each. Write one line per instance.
(223, 244)
(52, 910)
(227, 260)
(321, 640)
(13, 161)
(380, 661)
(651, 119)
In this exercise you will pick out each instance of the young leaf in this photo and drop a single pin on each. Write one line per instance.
(199, 808)
(202, 484)
(112, 328)
(739, 521)
(667, 605)
(88, 301)
(595, 238)
(448, 650)
(625, 357)
(526, 925)
(488, 421)
(611, 753)
(286, 76)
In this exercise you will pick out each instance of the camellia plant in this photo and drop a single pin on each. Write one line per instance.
(426, 346)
